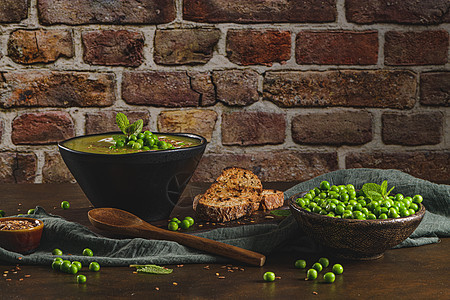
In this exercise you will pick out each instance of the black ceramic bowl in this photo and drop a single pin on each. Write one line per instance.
(355, 239)
(148, 183)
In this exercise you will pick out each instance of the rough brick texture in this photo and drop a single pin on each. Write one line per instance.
(250, 11)
(435, 88)
(77, 12)
(253, 128)
(56, 89)
(397, 11)
(105, 121)
(201, 82)
(428, 165)
(201, 122)
(334, 128)
(1, 130)
(416, 48)
(185, 46)
(336, 47)
(412, 129)
(258, 47)
(285, 165)
(236, 87)
(17, 167)
(167, 89)
(42, 128)
(113, 47)
(55, 170)
(13, 10)
(384, 89)
(39, 46)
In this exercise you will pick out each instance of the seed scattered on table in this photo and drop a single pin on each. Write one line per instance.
(157, 288)
(27, 276)
(278, 277)
(221, 277)
(315, 293)
(174, 283)
(217, 274)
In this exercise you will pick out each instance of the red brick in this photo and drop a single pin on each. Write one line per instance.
(185, 46)
(13, 10)
(416, 48)
(201, 82)
(428, 165)
(201, 122)
(267, 11)
(77, 12)
(236, 87)
(435, 88)
(334, 128)
(55, 170)
(105, 121)
(113, 47)
(269, 166)
(357, 88)
(337, 47)
(39, 46)
(168, 89)
(42, 128)
(56, 89)
(17, 167)
(253, 128)
(412, 129)
(258, 47)
(403, 12)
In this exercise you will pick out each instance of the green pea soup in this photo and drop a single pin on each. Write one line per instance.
(101, 144)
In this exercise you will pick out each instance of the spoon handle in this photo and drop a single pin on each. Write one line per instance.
(239, 254)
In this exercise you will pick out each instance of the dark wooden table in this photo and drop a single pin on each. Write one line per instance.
(408, 273)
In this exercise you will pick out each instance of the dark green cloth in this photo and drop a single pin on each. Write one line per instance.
(264, 238)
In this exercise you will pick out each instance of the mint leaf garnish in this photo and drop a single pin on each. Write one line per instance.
(122, 122)
(384, 187)
(375, 191)
(374, 195)
(371, 187)
(151, 269)
(137, 126)
(281, 212)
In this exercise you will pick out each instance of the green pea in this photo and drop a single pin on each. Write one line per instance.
(56, 265)
(337, 269)
(411, 211)
(65, 205)
(365, 211)
(324, 262)
(417, 199)
(94, 266)
(334, 188)
(414, 206)
(57, 251)
(81, 279)
(350, 187)
(398, 197)
(145, 148)
(344, 197)
(339, 210)
(371, 217)
(140, 136)
(132, 137)
(191, 220)
(2, 213)
(392, 213)
(78, 264)
(383, 216)
(73, 269)
(311, 274)
(324, 185)
(317, 266)
(357, 214)
(185, 224)
(329, 277)
(269, 276)
(58, 259)
(65, 266)
(88, 252)
(137, 146)
(148, 133)
(31, 211)
(173, 226)
(120, 144)
(300, 264)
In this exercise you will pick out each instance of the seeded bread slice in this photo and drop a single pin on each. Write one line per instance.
(234, 194)
(271, 199)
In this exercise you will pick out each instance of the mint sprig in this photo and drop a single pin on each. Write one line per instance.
(127, 128)
(152, 269)
(375, 191)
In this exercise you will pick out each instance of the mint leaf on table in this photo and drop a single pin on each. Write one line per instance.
(122, 122)
(152, 269)
(281, 212)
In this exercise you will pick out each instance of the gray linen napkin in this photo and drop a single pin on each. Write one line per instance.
(72, 237)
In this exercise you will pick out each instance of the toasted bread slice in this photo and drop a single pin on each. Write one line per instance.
(234, 194)
(271, 199)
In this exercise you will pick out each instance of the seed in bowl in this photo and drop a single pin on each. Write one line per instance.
(370, 203)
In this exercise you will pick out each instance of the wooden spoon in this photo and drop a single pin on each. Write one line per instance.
(122, 222)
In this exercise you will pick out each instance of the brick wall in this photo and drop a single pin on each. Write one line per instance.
(289, 89)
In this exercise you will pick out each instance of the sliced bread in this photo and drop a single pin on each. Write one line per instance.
(271, 199)
(234, 194)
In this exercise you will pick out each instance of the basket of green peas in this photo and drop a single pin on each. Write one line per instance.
(356, 224)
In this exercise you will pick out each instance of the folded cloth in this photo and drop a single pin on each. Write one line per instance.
(72, 237)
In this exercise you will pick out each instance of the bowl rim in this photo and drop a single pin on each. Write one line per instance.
(17, 231)
(184, 134)
(419, 214)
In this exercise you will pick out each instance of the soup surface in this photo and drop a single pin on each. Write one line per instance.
(102, 144)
